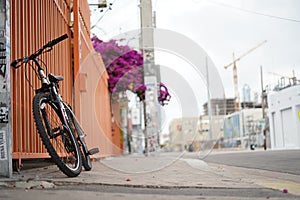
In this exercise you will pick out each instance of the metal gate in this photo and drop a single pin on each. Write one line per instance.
(33, 24)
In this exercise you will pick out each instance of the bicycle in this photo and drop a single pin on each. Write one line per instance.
(55, 121)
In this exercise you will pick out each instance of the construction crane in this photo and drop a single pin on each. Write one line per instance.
(235, 78)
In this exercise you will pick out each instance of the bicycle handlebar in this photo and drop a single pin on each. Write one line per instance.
(50, 44)
(55, 41)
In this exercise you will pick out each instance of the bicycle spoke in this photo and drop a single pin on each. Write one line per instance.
(58, 136)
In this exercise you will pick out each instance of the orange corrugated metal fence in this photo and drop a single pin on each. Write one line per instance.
(34, 23)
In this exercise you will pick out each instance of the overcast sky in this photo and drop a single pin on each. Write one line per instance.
(222, 27)
(221, 30)
(219, 27)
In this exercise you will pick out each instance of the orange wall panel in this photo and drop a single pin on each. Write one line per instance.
(93, 107)
(33, 24)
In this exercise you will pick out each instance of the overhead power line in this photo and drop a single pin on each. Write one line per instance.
(253, 12)
(100, 18)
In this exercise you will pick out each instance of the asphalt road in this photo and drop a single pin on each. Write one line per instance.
(285, 161)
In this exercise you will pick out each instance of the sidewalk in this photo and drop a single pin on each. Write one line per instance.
(165, 170)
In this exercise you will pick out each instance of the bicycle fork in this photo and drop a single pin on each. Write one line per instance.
(81, 134)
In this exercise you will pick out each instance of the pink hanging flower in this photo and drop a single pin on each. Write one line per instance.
(164, 95)
(140, 91)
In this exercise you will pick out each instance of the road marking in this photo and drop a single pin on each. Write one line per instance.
(292, 187)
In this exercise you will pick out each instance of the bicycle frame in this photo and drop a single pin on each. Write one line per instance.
(51, 87)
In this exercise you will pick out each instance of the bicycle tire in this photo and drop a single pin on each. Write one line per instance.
(62, 146)
(86, 159)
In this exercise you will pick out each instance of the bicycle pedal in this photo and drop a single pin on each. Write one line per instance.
(93, 151)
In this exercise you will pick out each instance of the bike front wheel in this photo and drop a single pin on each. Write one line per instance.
(58, 139)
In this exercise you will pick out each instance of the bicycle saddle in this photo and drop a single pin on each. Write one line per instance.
(54, 78)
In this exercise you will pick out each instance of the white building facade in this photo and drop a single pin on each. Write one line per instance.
(284, 116)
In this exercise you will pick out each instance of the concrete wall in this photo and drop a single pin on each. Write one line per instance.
(5, 122)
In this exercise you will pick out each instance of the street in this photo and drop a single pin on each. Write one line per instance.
(222, 175)
(284, 161)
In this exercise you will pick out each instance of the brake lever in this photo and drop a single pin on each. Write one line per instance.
(14, 64)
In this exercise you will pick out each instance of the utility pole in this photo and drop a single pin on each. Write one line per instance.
(151, 77)
(263, 107)
(262, 93)
(5, 105)
(208, 102)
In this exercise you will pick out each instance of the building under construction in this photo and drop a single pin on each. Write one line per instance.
(220, 106)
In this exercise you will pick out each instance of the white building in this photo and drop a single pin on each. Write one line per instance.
(284, 116)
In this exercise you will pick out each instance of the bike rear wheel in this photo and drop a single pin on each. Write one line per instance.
(58, 139)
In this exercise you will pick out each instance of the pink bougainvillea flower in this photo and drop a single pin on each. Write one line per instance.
(124, 66)
(164, 95)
